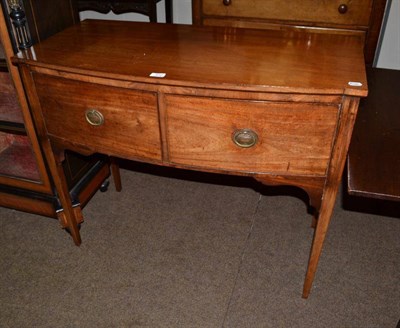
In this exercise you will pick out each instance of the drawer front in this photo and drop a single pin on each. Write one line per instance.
(336, 12)
(106, 119)
(290, 138)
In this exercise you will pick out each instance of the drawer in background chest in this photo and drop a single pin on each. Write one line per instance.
(337, 12)
(105, 118)
(251, 136)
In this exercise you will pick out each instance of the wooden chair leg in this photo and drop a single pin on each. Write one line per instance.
(116, 174)
(168, 11)
(152, 7)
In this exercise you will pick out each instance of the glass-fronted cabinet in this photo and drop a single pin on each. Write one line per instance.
(25, 181)
(21, 162)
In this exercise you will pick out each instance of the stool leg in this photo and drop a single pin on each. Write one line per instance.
(152, 6)
(168, 12)
(116, 174)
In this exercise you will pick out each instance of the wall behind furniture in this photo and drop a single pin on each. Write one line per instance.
(389, 55)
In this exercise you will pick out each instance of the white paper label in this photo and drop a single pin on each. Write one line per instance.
(159, 75)
(355, 84)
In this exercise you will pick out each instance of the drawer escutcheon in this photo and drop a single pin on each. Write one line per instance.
(94, 117)
(245, 138)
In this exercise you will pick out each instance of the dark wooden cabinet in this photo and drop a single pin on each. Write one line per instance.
(25, 181)
(373, 162)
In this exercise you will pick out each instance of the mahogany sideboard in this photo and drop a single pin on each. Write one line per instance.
(275, 105)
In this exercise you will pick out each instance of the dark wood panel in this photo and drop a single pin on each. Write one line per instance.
(47, 17)
(27, 203)
(374, 156)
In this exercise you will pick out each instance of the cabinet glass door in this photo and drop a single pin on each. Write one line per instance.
(16, 156)
(21, 161)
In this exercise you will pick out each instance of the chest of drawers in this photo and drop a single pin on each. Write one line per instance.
(352, 14)
(363, 17)
(278, 106)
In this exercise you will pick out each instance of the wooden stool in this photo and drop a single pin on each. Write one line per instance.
(145, 7)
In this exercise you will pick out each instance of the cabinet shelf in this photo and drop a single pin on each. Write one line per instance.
(16, 157)
(12, 127)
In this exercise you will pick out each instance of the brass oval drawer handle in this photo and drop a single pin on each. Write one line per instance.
(245, 138)
(227, 2)
(343, 8)
(94, 117)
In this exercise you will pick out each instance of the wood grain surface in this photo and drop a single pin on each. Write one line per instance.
(212, 57)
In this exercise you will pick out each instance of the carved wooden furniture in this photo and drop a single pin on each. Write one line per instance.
(278, 106)
(25, 183)
(145, 7)
(344, 16)
(374, 160)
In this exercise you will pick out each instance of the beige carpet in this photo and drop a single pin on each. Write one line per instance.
(180, 250)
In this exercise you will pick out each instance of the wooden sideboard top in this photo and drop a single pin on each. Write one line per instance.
(216, 57)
